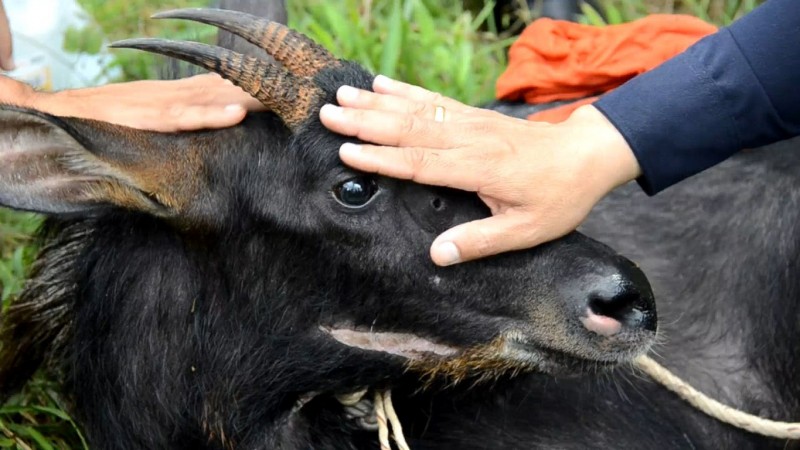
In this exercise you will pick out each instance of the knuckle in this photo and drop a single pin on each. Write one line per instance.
(417, 159)
(352, 115)
(437, 98)
(373, 100)
(356, 120)
(419, 109)
(368, 100)
(408, 125)
(481, 243)
(350, 122)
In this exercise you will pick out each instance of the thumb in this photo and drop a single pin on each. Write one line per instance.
(485, 237)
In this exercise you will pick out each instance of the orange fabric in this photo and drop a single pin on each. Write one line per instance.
(560, 60)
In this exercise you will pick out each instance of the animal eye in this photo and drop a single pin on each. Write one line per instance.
(355, 192)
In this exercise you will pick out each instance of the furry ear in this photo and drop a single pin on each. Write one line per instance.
(71, 166)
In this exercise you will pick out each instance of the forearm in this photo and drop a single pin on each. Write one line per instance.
(732, 90)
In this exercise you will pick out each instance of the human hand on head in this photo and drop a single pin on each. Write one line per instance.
(6, 48)
(202, 101)
(539, 180)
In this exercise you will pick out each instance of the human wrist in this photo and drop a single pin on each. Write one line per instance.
(67, 103)
(55, 103)
(606, 148)
(23, 95)
(13, 92)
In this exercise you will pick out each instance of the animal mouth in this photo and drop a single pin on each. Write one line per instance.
(510, 352)
(548, 359)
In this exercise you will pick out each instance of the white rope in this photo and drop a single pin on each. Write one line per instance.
(351, 398)
(715, 409)
(397, 428)
(384, 409)
(387, 416)
(383, 426)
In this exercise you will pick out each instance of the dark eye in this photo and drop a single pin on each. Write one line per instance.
(355, 192)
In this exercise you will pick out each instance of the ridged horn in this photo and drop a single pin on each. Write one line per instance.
(289, 96)
(297, 53)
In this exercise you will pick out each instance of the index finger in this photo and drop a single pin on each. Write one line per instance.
(385, 85)
(448, 168)
(392, 128)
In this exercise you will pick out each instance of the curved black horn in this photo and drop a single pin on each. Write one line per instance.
(299, 54)
(288, 96)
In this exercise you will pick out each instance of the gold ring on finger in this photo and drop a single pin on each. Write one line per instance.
(438, 113)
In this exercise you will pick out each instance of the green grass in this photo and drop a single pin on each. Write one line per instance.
(437, 44)
(15, 251)
(720, 12)
(434, 43)
(122, 19)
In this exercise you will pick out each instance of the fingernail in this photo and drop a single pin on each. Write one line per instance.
(349, 149)
(332, 111)
(234, 109)
(382, 81)
(347, 94)
(446, 254)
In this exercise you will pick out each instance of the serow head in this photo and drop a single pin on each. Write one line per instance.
(343, 255)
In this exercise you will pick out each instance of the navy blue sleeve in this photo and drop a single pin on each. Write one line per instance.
(735, 89)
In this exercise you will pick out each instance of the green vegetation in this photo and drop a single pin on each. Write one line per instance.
(720, 12)
(439, 44)
(15, 254)
(123, 19)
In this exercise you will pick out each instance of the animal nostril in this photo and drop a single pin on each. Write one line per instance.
(617, 305)
(620, 306)
(616, 298)
(437, 204)
(618, 301)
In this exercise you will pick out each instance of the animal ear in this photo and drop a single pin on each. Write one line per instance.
(66, 166)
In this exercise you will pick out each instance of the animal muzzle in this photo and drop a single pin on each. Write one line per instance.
(617, 300)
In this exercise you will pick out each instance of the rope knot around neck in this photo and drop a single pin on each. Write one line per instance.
(388, 422)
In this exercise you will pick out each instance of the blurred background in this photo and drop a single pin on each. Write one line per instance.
(456, 47)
